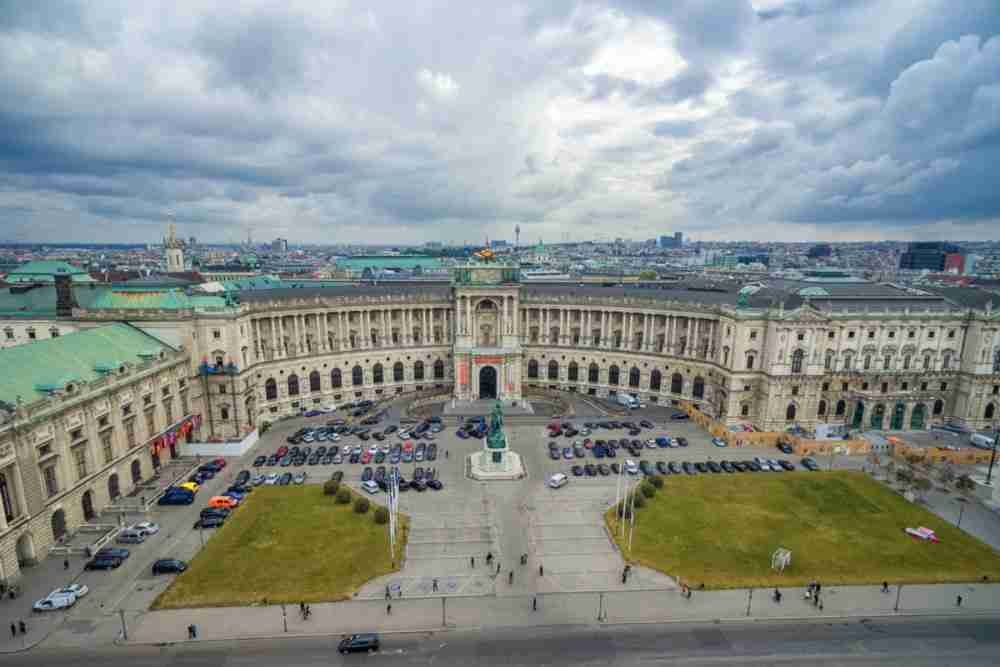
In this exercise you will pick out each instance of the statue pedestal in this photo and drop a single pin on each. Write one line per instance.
(495, 464)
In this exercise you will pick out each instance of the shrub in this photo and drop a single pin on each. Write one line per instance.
(381, 515)
(361, 505)
(343, 496)
(656, 481)
(640, 501)
(263, 428)
(623, 510)
(648, 490)
(331, 487)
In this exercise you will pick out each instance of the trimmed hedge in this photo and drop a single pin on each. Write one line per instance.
(361, 505)
(648, 490)
(331, 487)
(343, 496)
(381, 515)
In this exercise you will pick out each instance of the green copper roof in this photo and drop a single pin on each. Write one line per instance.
(388, 262)
(43, 271)
(33, 370)
(141, 299)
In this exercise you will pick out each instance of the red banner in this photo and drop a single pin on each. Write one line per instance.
(481, 360)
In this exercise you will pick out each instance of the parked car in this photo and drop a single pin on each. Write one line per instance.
(719, 442)
(176, 499)
(674, 468)
(259, 461)
(169, 566)
(79, 590)
(271, 478)
(662, 468)
(121, 553)
(103, 563)
(577, 471)
(809, 464)
(129, 536)
(210, 521)
(285, 479)
(54, 602)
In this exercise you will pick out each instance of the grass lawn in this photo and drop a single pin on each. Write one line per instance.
(285, 544)
(841, 527)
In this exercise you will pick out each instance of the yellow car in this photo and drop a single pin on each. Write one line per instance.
(190, 486)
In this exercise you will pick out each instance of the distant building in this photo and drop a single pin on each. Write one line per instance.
(928, 256)
(173, 248)
(498, 243)
(954, 263)
(821, 250)
(192, 242)
(279, 245)
(675, 241)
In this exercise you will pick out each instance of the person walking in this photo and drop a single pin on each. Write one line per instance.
(510, 578)
(472, 561)
(541, 570)
(388, 595)
(816, 600)
(434, 584)
(65, 563)
(534, 603)
(489, 558)
(24, 628)
(498, 567)
(13, 630)
(958, 601)
(624, 576)
(388, 609)
(885, 586)
(777, 596)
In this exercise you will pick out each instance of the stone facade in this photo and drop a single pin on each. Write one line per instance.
(64, 458)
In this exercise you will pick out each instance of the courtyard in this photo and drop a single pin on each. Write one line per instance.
(841, 527)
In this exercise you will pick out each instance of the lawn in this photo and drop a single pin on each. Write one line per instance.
(841, 527)
(285, 544)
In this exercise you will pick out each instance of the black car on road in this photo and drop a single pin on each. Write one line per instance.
(364, 643)
(169, 566)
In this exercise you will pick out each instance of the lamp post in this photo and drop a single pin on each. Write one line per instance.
(961, 509)
(993, 453)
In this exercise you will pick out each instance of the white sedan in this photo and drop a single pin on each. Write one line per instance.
(54, 602)
(79, 590)
(146, 528)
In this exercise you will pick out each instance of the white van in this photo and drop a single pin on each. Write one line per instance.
(558, 480)
(982, 440)
(370, 486)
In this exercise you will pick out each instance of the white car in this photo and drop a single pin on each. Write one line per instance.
(402, 435)
(79, 590)
(146, 528)
(370, 486)
(631, 467)
(558, 480)
(54, 602)
(329, 408)
(271, 478)
(651, 444)
(373, 450)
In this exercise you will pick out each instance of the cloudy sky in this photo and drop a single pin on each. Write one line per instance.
(330, 121)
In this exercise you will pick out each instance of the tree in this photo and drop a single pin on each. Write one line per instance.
(381, 515)
(922, 485)
(331, 487)
(648, 274)
(965, 484)
(361, 505)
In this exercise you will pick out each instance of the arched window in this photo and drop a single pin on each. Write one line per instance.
(828, 360)
(927, 362)
(848, 361)
(655, 380)
(996, 361)
(270, 389)
(574, 371)
(613, 375)
(725, 355)
(797, 357)
(821, 409)
(397, 371)
(633, 377)
(698, 390)
(532, 369)
(946, 361)
(991, 410)
(841, 408)
(336, 380)
(745, 410)
(7, 498)
(887, 362)
(938, 406)
(790, 412)
(438, 370)
(293, 385)
(224, 412)
(418, 370)
(357, 376)
(750, 360)
(377, 376)
(906, 362)
(553, 370)
(868, 362)
(314, 384)
(593, 374)
(676, 383)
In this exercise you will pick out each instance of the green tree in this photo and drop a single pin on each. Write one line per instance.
(361, 505)
(331, 487)
(381, 515)
(647, 274)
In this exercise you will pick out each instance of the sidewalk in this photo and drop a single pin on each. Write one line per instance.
(429, 614)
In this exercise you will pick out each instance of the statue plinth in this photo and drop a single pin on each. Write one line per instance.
(496, 461)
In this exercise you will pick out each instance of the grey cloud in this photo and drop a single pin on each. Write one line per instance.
(675, 128)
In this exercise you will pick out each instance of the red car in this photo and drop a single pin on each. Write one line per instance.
(588, 444)
(366, 458)
(220, 462)
(281, 451)
(408, 446)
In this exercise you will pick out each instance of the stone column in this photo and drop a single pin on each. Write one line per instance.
(468, 316)
(281, 337)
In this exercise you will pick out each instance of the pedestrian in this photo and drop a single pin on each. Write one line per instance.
(309, 611)
(510, 578)
(534, 603)
(472, 561)
(388, 609)
(399, 593)
(816, 600)
(816, 589)
(885, 586)
(489, 557)
(821, 605)
(446, 453)
(434, 584)
(388, 595)
(541, 570)
(624, 576)
(65, 563)
(13, 630)
(777, 596)
(24, 628)
(498, 567)
(958, 601)
(302, 608)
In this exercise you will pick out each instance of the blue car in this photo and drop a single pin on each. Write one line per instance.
(663, 442)
(462, 434)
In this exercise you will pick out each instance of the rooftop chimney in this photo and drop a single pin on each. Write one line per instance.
(65, 301)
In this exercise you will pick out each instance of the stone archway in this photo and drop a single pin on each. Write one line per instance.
(898, 417)
(113, 488)
(26, 550)
(58, 524)
(488, 382)
(87, 504)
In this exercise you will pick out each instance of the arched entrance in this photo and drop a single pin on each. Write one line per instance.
(898, 414)
(878, 416)
(487, 382)
(87, 502)
(918, 417)
(859, 415)
(136, 472)
(58, 525)
(113, 489)
(25, 550)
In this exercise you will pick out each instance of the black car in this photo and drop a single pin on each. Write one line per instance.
(355, 458)
(337, 476)
(273, 460)
(727, 466)
(786, 465)
(367, 474)
(209, 522)
(714, 467)
(603, 469)
(809, 464)
(259, 461)
(615, 468)
(391, 428)
(645, 468)
(314, 459)
(590, 469)
(378, 436)
(432, 452)
(674, 468)
(785, 447)
(645, 423)
(688, 468)
(113, 552)
(700, 466)
(435, 484)
(176, 499)
(577, 471)
(418, 485)
(683, 442)
(554, 454)
(242, 478)
(579, 452)
(418, 473)
(365, 643)
(215, 511)
(285, 479)
(102, 563)
(169, 566)
(662, 468)
(754, 466)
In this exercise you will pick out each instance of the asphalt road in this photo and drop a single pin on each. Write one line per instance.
(910, 642)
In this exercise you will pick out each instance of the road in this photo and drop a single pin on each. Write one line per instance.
(910, 642)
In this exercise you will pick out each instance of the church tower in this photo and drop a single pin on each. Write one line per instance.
(173, 247)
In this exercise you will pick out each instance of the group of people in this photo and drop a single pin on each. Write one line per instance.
(305, 612)
(812, 593)
(19, 626)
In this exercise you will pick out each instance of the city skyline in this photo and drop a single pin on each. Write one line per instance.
(802, 121)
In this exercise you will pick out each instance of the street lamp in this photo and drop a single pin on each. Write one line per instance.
(961, 509)
(993, 453)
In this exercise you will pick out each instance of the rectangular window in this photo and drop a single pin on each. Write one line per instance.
(184, 403)
(864, 386)
(905, 386)
(923, 386)
(55, 333)
(795, 391)
(802, 336)
(216, 334)
(850, 334)
(130, 433)
(843, 386)
(80, 461)
(9, 333)
(168, 409)
(892, 334)
(831, 335)
(151, 423)
(826, 386)
(182, 383)
(147, 400)
(102, 421)
(885, 387)
(951, 334)
(126, 410)
(753, 335)
(222, 389)
(996, 389)
(944, 386)
(165, 390)
(930, 334)
(76, 434)
(106, 448)
(871, 334)
(51, 483)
